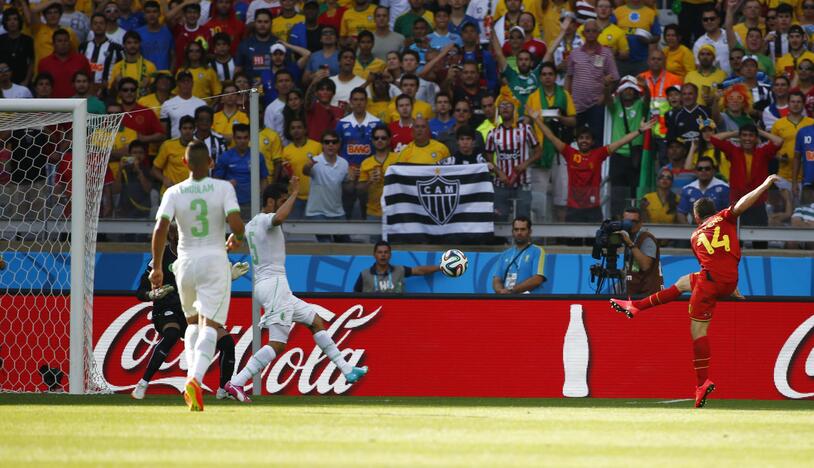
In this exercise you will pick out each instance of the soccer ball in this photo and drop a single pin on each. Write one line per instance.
(453, 263)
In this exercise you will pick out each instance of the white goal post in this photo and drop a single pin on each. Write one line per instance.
(67, 127)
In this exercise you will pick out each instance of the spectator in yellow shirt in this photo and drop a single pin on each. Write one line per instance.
(229, 114)
(660, 207)
(271, 147)
(678, 57)
(372, 170)
(610, 35)
(169, 166)
(43, 33)
(133, 65)
(798, 51)
(423, 149)
(205, 82)
(379, 102)
(409, 86)
(281, 25)
(707, 76)
(366, 63)
(296, 155)
(357, 19)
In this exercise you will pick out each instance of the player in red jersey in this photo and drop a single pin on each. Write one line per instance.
(715, 245)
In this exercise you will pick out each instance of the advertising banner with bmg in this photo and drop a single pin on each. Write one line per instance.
(480, 347)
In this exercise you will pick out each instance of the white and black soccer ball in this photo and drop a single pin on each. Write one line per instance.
(454, 263)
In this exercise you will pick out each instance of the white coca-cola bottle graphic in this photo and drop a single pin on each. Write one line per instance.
(575, 356)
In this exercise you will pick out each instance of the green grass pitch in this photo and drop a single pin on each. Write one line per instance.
(355, 431)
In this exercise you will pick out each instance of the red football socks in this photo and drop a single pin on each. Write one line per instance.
(701, 353)
(662, 297)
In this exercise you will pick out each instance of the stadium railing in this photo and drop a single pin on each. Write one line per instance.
(372, 228)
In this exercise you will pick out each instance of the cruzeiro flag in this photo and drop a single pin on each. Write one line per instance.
(438, 204)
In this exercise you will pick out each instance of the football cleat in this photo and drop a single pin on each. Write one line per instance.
(237, 393)
(625, 307)
(356, 374)
(702, 392)
(140, 390)
(193, 395)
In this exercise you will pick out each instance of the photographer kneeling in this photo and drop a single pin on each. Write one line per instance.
(642, 268)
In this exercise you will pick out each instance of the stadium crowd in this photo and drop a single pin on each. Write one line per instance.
(350, 87)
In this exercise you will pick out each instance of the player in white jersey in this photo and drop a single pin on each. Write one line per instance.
(264, 235)
(202, 207)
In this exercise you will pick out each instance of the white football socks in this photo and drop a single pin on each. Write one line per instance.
(256, 364)
(324, 341)
(190, 338)
(204, 350)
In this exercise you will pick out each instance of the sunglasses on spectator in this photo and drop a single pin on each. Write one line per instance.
(665, 176)
(703, 168)
(381, 138)
(461, 110)
(330, 142)
(709, 19)
(128, 90)
(5, 70)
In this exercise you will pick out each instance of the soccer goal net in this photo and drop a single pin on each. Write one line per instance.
(53, 174)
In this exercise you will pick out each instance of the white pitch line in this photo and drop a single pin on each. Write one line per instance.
(667, 402)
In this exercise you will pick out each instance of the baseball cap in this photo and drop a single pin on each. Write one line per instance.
(750, 57)
(628, 85)
(675, 88)
(519, 29)
(796, 28)
(278, 48)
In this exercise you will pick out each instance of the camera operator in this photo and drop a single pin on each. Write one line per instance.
(642, 269)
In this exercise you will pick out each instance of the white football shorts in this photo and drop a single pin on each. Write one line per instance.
(281, 308)
(205, 286)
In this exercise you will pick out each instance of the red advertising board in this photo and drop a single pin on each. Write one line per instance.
(482, 347)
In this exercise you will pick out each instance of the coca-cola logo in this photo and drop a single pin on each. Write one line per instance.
(125, 347)
(793, 345)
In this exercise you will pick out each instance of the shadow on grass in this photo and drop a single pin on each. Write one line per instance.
(11, 399)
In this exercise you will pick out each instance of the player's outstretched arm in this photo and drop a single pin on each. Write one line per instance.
(285, 209)
(422, 270)
(644, 127)
(158, 243)
(750, 198)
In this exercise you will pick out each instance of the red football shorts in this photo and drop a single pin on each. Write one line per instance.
(705, 294)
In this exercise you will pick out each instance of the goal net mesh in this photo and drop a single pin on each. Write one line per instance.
(35, 237)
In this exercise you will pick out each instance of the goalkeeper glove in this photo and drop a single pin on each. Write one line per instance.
(161, 292)
(239, 269)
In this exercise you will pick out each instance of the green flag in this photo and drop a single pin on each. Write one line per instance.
(647, 172)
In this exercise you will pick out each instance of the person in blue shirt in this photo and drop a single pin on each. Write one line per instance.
(443, 121)
(803, 168)
(356, 133)
(442, 36)
(520, 268)
(254, 52)
(235, 166)
(157, 43)
(705, 186)
(472, 50)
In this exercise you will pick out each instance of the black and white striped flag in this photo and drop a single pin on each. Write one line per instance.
(438, 204)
